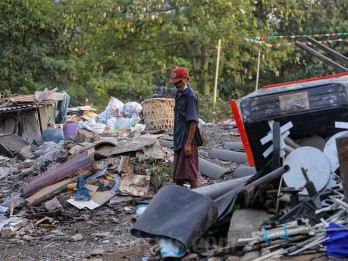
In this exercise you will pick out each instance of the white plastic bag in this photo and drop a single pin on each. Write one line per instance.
(122, 123)
(131, 108)
(115, 107)
(112, 122)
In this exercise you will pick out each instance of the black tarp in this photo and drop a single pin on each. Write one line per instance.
(177, 213)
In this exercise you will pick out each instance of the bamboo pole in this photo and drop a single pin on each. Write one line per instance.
(217, 70)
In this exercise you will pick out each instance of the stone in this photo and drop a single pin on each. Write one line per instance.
(102, 235)
(98, 252)
(58, 232)
(13, 240)
(154, 258)
(83, 136)
(214, 259)
(95, 137)
(6, 232)
(27, 238)
(53, 205)
(233, 258)
(27, 171)
(77, 237)
(49, 237)
(25, 153)
(243, 223)
(250, 256)
(156, 181)
(190, 257)
(76, 149)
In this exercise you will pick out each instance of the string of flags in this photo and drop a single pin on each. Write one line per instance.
(326, 42)
(269, 38)
(263, 39)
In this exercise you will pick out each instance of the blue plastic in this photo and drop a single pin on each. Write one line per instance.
(82, 193)
(53, 134)
(337, 245)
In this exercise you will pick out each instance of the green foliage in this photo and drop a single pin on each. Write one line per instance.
(163, 170)
(96, 49)
(210, 112)
(5, 93)
(30, 31)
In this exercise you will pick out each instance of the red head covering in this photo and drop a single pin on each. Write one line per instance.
(178, 74)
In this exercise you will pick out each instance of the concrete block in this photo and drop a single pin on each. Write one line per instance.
(243, 223)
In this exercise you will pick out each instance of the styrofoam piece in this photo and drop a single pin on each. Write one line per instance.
(269, 136)
(314, 161)
(330, 150)
(341, 124)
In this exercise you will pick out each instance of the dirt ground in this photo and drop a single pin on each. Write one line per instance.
(101, 234)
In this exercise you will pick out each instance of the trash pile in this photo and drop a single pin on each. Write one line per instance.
(77, 166)
(283, 197)
(296, 200)
(118, 115)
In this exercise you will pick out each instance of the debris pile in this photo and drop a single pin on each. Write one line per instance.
(284, 195)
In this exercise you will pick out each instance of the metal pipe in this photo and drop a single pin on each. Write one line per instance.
(271, 176)
(321, 57)
(337, 55)
(291, 143)
(216, 190)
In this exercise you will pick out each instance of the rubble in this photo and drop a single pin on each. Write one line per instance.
(125, 172)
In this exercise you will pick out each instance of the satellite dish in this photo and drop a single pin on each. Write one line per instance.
(330, 150)
(314, 161)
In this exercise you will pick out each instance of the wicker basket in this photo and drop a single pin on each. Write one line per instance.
(158, 113)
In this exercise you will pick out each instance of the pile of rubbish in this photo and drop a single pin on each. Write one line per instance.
(291, 202)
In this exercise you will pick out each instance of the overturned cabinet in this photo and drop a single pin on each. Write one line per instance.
(312, 107)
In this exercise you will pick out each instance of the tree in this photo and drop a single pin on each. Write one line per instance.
(297, 17)
(30, 32)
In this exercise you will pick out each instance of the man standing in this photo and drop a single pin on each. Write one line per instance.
(185, 168)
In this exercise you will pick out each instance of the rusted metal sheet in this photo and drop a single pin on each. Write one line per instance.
(342, 149)
(15, 108)
(69, 169)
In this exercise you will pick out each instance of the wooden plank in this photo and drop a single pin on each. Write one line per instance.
(43, 118)
(50, 191)
(71, 168)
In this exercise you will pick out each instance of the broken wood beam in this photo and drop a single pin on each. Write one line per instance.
(69, 169)
(248, 194)
(52, 190)
(342, 149)
(123, 166)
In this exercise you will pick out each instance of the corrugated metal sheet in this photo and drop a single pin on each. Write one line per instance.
(18, 108)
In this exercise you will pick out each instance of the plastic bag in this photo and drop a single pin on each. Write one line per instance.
(122, 123)
(111, 122)
(82, 192)
(171, 248)
(201, 136)
(131, 109)
(103, 117)
(115, 107)
(53, 134)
